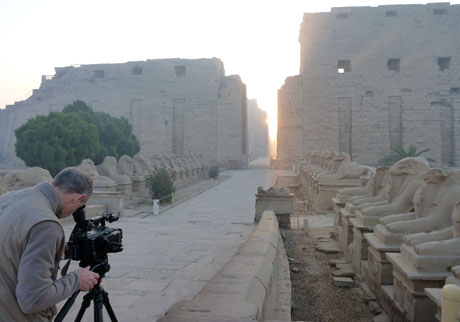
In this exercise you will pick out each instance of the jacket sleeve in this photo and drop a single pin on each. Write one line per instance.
(36, 290)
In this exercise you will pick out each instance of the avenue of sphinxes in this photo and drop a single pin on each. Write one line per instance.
(397, 227)
(371, 80)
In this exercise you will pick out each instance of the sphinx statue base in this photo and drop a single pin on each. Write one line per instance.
(326, 189)
(435, 294)
(345, 231)
(380, 242)
(111, 200)
(359, 245)
(410, 282)
(337, 206)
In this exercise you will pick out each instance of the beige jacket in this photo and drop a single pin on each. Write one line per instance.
(29, 256)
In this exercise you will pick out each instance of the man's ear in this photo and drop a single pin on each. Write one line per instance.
(80, 197)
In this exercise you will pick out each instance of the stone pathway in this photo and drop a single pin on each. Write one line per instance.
(170, 257)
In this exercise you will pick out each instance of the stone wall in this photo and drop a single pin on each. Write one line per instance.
(372, 78)
(257, 130)
(253, 286)
(173, 105)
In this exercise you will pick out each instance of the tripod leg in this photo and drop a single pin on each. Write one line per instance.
(84, 305)
(65, 309)
(108, 307)
(98, 317)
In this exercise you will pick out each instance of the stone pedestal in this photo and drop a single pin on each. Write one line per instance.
(282, 205)
(138, 185)
(112, 200)
(408, 289)
(380, 270)
(337, 204)
(327, 189)
(345, 236)
(359, 244)
(435, 295)
(125, 188)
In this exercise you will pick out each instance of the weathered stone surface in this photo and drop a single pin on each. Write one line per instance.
(20, 179)
(374, 307)
(381, 318)
(335, 262)
(328, 247)
(343, 282)
(344, 273)
(173, 105)
(366, 104)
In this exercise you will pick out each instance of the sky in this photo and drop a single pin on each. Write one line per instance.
(256, 39)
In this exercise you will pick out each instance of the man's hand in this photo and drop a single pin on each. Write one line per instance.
(88, 279)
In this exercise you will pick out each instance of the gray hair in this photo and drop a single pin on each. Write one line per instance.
(72, 180)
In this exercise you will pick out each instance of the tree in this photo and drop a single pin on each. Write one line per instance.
(115, 134)
(63, 139)
(56, 141)
(401, 153)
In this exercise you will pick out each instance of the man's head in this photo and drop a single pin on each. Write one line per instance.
(74, 189)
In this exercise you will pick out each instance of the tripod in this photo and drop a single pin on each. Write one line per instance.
(99, 296)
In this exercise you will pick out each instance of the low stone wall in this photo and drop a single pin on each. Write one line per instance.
(253, 285)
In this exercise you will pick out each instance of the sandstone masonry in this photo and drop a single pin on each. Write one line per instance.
(173, 105)
(257, 130)
(372, 78)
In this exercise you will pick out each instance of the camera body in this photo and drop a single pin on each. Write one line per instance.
(91, 240)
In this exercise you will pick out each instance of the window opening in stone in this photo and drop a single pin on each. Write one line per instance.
(393, 64)
(179, 70)
(391, 13)
(455, 91)
(99, 73)
(343, 66)
(342, 15)
(136, 70)
(439, 11)
(443, 63)
(369, 94)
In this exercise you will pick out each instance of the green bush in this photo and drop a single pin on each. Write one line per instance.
(214, 172)
(161, 186)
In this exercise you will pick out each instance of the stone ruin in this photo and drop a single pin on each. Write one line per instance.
(373, 78)
(398, 226)
(173, 105)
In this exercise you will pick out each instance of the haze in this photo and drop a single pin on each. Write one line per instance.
(255, 39)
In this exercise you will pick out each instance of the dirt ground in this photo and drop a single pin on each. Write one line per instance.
(314, 297)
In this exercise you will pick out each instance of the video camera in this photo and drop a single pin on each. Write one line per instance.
(91, 240)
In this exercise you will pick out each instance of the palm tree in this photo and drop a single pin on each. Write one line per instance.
(401, 153)
(411, 151)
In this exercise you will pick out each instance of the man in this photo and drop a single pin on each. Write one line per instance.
(32, 245)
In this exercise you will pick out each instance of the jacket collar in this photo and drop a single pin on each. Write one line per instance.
(50, 193)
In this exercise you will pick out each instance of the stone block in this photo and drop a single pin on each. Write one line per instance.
(343, 282)
(281, 205)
